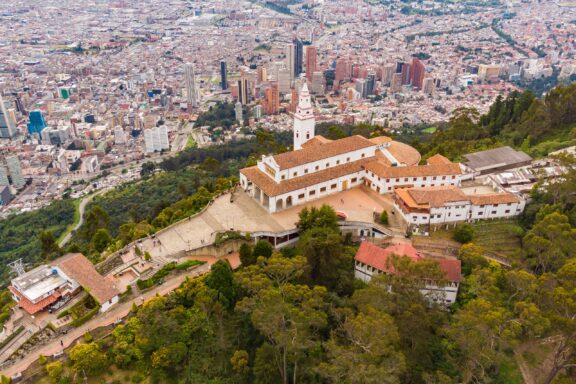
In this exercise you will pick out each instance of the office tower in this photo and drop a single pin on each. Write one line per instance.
(3, 176)
(417, 75)
(243, 91)
(5, 195)
(284, 80)
(360, 85)
(362, 72)
(223, 75)
(64, 93)
(370, 84)
(262, 74)
(156, 139)
(298, 57)
(191, 91)
(36, 122)
(396, 83)
(238, 112)
(387, 73)
(290, 61)
(7, 124)
(119, 136)
(428, 85)
(343, 71)
(318, 83)
(311, 57)
(272, 99)
(488, 72)
(257, 112)
(13, 164)
(405, 71)
(55, 135)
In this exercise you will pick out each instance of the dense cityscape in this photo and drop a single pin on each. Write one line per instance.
(308, 179)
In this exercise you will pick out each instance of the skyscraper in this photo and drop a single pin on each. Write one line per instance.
(272, 99)
(15, 170)
(238, 112)
(290, 54)
(223, 75)
(298, 56)
(404, 69)
(243, 91)
(191, 91)
(36, 122)
(311, 56)
(418, 72)
(3, 176)
(370, 83)
(7, 124)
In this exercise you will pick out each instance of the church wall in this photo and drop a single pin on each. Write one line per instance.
(387, 185)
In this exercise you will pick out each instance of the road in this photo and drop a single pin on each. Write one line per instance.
(117, 312)
(81, 208)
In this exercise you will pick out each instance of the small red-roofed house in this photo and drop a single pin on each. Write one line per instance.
(372, 260)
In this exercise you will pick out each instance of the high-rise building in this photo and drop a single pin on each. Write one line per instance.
(156, 139)
(418, 72)
(223, 75)
(36, 122)
(3, 176)
(238, 112)
(290, 54)
(370, 84)
(191, 91)
(262, 74)
(298, 57)
(7, 123)
(257, 111)
(404, 70)
(119, 136)
(243, 91)
(304, 121)
(387, 73)
(311, 57)
(360, 85)
(13, 164)
(428, 85)
(396, 83)
(318, 83)
(284, 80)
(343, 71)
(272, 99)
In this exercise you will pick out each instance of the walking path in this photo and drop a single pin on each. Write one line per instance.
(116, 312)
(81, 209)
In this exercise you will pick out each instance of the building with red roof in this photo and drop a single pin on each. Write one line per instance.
(373, 260)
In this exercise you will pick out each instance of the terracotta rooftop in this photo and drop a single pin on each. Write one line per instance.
(31, 307)
(493, 198)
(79, 268)
(321, 151)
(316, 140)
(404, 153)
(430, 197)
(438, 159)
(382, 169)
(380, 140)
(377, 257)
(271, 188)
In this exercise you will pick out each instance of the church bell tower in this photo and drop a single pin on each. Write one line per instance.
(303, 119)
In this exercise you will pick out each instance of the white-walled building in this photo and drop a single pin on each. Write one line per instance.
(156, 139)
(449, 204)
(371, 260)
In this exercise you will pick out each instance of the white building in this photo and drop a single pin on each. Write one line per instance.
(304, 121)
(238, 112)
(371, 260)
(449, 204)
(13, 164)
(119, 136)
(156, 139)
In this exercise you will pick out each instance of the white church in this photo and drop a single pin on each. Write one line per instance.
(318, 167)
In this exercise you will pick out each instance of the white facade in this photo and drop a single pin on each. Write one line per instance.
(439, 294)
(304, 121)
(108, 304)
(13, 164)
(156, 139)
(191, 91)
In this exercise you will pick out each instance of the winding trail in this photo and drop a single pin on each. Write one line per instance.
(81, 208)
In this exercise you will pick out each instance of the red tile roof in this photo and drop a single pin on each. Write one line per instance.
(384, 170)
(31, 307)
(79, 268)
(377, 257)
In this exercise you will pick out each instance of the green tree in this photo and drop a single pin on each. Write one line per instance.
(101, 239)
(262, 248)
(364, 350)
(96, 218)
(246, 257)
(88, 358)
(324, 217)
(464, 233)
(384, 217)
(147, 168)
(55, 370)
(221, 279)
(50, 249)
(240, 361)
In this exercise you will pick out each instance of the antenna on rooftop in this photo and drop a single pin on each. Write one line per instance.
(17, 267)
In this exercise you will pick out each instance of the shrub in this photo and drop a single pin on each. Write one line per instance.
(464, 233)
(147, 256)
(55, 371)
(88, 337)
(384, 217)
